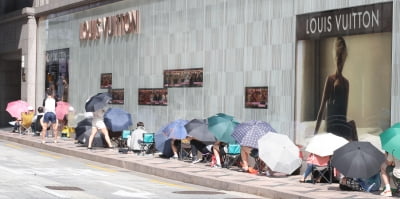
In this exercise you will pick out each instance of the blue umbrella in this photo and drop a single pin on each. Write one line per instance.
(176, 129)
(173, 130)
(98, 101)
(117, 119)
(222, 126)
(248, 133)
(160, 139)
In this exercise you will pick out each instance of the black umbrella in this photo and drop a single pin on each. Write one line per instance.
(83, 126)
(98, 101)
(358, 159)
(198, 128)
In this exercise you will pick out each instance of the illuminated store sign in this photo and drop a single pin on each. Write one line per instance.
(348, 21)
(110, 26)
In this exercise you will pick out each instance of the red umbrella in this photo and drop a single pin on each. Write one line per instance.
(61, 109)
(15, 108)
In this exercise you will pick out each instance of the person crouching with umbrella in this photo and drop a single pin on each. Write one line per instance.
(98, 124)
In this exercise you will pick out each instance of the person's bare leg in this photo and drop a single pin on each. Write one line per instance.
(44, 131)
(107, 137)
(216, 153)
(92, 134)
(55, 131)
(245, 157)
(174, 149)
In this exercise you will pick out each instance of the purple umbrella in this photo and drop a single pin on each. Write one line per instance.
(248, 133)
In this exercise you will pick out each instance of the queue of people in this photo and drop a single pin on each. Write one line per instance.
(214, 152)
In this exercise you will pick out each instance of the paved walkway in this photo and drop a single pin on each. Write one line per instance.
(200, 174)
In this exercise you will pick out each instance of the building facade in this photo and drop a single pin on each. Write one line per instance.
(237, 44)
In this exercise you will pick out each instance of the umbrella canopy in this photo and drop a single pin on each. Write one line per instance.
(175, 129)
(62, 109)
(82, 126)
(160, 139)
(390, 140)
(279, 152)
(222, 126)
(358, 159)
(98, 101)
(198, 128)
(15, 108)
(117, 119)
(248, 133)
(325, 144)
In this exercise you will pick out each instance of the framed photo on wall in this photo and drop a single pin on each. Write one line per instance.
(256, 97)
(183, 78)
(117, 96)
(106, 80)
(153, 96)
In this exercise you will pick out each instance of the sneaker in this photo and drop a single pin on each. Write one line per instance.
(386, 193)
(196, 161)
(174, 157)
(218, 166)
(43, 142)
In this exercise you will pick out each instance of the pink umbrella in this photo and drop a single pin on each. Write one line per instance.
(61, 109)
(15, 108)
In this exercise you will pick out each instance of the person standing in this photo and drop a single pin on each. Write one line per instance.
(98, 124)
(49, 118)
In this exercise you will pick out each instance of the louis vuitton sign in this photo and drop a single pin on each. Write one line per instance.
(374, 18)
(110, 26)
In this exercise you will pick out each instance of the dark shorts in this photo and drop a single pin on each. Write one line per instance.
(49, 117)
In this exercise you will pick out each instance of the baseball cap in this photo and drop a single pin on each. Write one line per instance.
(71, 109)
(30, 108)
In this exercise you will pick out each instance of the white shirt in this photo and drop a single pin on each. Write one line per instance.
(136, 138)
(50, 105)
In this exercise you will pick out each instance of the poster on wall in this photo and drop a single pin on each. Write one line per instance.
(117, 96)
(183, 78)
(57, 73)
(256, 97)
(106, 80)
(343, 72)
(153, 96)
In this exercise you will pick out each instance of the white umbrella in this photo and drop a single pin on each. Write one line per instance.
(325, 144)
(279, 153)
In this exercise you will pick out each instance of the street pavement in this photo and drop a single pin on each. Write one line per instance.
(199, 174)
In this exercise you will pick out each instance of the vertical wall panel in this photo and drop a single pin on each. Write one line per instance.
(238, 43)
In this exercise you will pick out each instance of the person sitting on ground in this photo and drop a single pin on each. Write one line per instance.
(314, 160)
(35, 123)
(174, 147)
(137, 137)
(218, 151)
(196, 146)
(391, 163)
(15, 123)
(244, 154)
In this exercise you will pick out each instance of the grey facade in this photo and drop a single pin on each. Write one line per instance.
(238, 43)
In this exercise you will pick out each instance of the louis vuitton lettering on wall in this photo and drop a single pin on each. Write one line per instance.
(347, 21)
(110, 26)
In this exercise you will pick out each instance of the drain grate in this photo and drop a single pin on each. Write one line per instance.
(199, 192)
(64, 188)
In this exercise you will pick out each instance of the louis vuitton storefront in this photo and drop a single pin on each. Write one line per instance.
(253, 59)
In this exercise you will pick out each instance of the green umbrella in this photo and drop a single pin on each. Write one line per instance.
(390, 139)
(222, 126)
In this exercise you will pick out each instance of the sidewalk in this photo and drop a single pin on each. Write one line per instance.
(199, 174)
